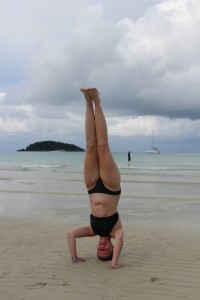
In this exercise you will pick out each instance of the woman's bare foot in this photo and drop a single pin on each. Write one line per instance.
(95, 95)
(86, 94)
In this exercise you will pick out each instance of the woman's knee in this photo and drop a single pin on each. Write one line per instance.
(103, 147)
(91, 146)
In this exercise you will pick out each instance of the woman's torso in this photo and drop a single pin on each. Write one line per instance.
(103, 205)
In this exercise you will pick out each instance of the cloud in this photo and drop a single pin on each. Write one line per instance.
(161, 51)
(128, 126)
(147, 70)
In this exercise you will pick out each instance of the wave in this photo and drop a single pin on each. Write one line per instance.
(159, 168)
(164, 181)
(39, 167)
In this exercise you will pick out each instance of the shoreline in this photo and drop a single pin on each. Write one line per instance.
(162, 262)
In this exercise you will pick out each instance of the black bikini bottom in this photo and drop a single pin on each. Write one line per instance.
(103, 226)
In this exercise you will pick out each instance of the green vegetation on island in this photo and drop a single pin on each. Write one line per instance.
(52, 146)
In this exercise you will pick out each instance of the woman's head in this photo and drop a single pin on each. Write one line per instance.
(105, 248)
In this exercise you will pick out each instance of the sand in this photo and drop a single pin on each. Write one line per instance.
(162, 262)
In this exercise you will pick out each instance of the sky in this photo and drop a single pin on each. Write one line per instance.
(143, 56)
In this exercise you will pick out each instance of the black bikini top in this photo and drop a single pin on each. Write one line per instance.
(101, 188)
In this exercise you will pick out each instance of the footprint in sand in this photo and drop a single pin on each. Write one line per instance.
(155, 280)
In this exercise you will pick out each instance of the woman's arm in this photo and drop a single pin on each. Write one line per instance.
(119, 239)
(71, 239)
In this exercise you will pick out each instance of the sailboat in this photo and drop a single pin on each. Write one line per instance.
(153, 149)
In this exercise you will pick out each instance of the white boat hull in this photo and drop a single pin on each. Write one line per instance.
(153, 151)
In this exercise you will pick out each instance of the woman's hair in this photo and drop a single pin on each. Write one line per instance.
(106, 258)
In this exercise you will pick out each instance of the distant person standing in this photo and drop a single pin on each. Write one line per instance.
(129, 156)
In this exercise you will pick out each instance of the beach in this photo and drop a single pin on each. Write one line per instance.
(42, 196)
(161, 262)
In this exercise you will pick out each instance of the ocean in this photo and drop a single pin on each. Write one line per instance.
(162, 188)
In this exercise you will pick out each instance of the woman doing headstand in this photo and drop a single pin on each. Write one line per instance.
(102, 179)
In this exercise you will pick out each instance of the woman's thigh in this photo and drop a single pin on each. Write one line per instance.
(109, 171)
(91, 169)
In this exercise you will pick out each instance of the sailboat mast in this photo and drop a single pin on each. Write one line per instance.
(152, 138)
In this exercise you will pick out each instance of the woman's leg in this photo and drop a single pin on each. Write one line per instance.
(91, 164)
(109, 171)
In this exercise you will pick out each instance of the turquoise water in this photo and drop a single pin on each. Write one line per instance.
(75, 160)
(155, 188)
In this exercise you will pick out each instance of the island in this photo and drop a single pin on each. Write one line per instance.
(52, 146)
